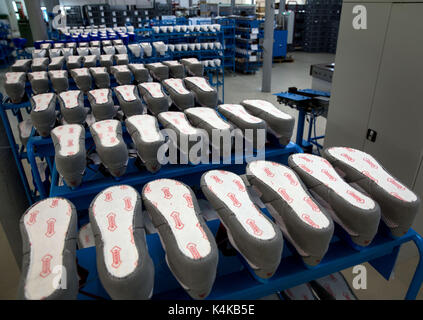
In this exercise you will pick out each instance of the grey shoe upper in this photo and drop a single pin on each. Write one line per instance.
(70, 154)
(102, 104)
(110, 146)
(39, 82)
(144, 131)
(280, 123)
(124, 266)
(48, 230)
(59, 80)
(257, 238)
(82, 78)
(399, 205)
(205, 94)
(122, 74)
(191, 250)
(43, 113)
(15, 85)
(193, 67)
(129, 100)
(158, 70)
(179, 94)
(358, 214)
(303, 221)
(139, 71)
(176, 69)
(154, 97)
(101, 77)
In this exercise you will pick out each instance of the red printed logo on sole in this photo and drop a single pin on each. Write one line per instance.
(310, 221)
(45, 265)
(256, 230)
(128, 204)
(312, 204)
(176, 218)
(50, 227)
(116, 261)
(108, 196)
(285, 195)
(111, 220)
(54, 203)
(216, 179)
(268, 172)
(291, 179)
(395, 183)
(33, 217)
(355, 196)
(202, 230)
(234, 200)
(370, 163)
(192, 247)
(240, 185)
(188, 198)
(166, 193)
(327, 174)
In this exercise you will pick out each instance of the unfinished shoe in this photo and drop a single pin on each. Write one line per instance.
(129, 100)
(56, 63)
(109, 50)
(25, 129)
(146, 48)
(110, 147)
(193, 67)
(248, 123)
(22, 65)
(82, 78)
(102, 104)
(209, 120)
(73, 62)
(15, 86)
(304, 222)
(70, 154)
(121, 59)
(358, 214)
(254, 235)
(399, 205)
(124, 266)
(146, 135)
(59, 80)
(39, 82)
(191, 252)
(135, 49)
(90, 61)
(158, 71)
(48, 230)
(106, 60)
(205, 95)
(176, 69)
(186, 135)
(122, 74)
(154, 97)
(101, 77)
(39, 64)
(43, 113)
(279, 123)
(72, 106)
(139, 71)
(180, 96)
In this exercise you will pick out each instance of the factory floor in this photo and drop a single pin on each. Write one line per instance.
(239, 87)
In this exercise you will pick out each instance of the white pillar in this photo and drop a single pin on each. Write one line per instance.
(36, 21)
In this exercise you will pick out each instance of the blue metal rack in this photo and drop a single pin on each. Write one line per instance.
(234, 280)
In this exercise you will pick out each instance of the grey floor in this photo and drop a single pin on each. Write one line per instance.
(239, 87)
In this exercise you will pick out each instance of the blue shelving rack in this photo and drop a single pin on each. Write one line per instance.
(248, 51)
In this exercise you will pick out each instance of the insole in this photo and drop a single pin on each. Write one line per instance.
(46, 224)
(113, 211)
(174, 203)
(284, 181)
(369, 166)
(322, 170)
(230, 188)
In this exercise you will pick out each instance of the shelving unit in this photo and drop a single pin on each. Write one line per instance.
(6, 48)
(248, 51)
(228, 28)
